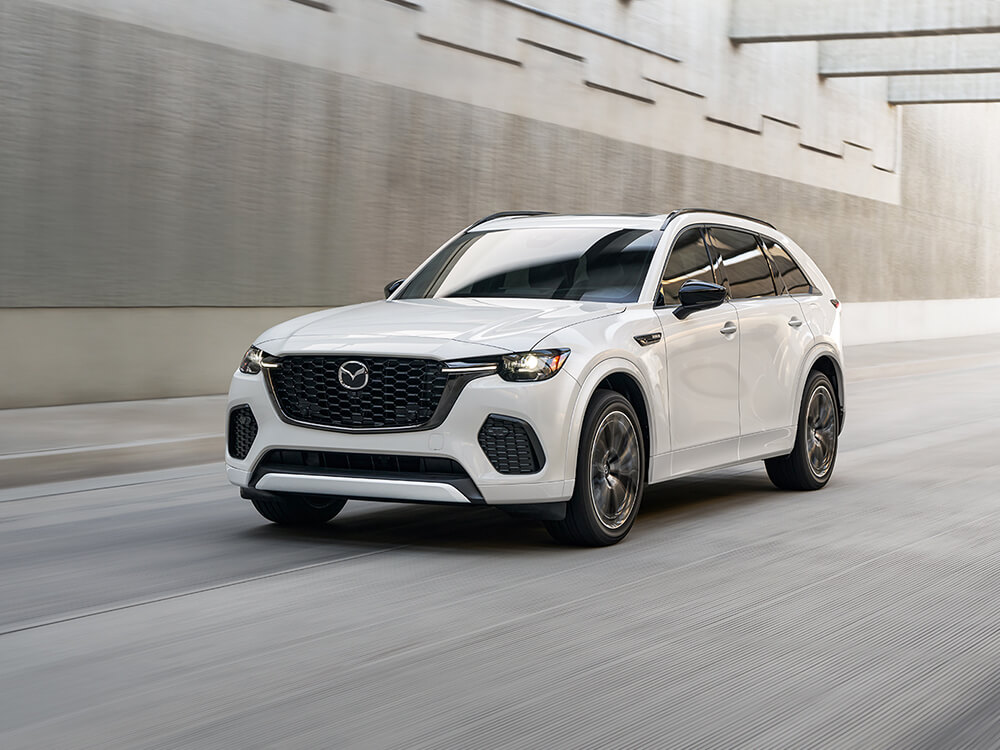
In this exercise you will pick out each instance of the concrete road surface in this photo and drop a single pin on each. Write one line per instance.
(158, 610)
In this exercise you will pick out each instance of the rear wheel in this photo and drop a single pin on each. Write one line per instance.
(299, 510)
(810, 464)
(610, 475)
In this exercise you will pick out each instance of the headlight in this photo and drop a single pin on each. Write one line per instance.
(540, 365)
(251, 361)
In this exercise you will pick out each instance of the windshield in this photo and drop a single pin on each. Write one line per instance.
(597, 264)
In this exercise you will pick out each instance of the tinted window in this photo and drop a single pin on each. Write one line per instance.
(586, 263)
(795, 281)
(746, 267)
(688, 260)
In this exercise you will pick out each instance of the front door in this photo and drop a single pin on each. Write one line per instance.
(702, 364)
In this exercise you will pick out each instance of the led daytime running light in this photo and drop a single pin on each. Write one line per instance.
(532, 366)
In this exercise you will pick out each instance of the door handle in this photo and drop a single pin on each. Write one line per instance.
(794, 322)
(728, 328)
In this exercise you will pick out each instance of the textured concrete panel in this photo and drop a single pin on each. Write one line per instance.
(803, 20)
(158, 156)
(963, 53)
(69, 356)
(927, 89)
(143, 169)
(622, 46)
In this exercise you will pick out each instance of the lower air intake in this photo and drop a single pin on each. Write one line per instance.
(511, 445)
(242, 431)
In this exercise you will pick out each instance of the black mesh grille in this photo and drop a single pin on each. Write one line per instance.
(361, 464)
(242, 431)
(399, 392)
(510, 445)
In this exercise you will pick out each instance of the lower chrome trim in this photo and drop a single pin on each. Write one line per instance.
(470, 368)
(357, 487)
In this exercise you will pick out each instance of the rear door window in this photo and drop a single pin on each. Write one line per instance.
(787, 269)
(746, 269)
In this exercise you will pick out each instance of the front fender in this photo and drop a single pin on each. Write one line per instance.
(588, 386)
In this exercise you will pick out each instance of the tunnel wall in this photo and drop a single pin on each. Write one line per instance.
(175, 177)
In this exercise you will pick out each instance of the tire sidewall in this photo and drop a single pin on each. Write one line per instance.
(603, 404)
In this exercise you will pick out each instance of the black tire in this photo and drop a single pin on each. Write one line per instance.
(299, 510)
(810, 464)
(611, 444)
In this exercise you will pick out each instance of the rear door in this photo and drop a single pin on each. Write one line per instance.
(774, 340)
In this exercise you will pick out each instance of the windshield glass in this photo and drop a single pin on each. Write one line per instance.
(597, 264)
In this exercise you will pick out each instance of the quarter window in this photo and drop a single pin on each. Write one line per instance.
(789, 271)
(746, 268)
(688, 260)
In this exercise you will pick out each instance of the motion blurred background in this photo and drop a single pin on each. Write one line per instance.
(177, 176)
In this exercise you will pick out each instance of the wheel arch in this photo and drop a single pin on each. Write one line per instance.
(824, 359)
(623, 377)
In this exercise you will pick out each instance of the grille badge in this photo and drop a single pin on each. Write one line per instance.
(353, 375)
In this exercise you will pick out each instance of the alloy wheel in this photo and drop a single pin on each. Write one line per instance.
(614, 470)
(821, 431)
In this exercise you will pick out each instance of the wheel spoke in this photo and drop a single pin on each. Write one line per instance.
(626, 460)
(825, 415)
(821, 454)
(601, 445)
(616, 496)
(613, 437)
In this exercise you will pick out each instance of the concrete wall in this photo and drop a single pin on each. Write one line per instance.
(163, 165)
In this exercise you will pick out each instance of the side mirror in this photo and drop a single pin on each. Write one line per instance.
(699, 295)
(392, 286)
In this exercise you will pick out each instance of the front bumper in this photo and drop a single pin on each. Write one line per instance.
(546, 406)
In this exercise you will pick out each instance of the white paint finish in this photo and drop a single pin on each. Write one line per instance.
(620, 353)
(770, 443)
(771, 356)
(546, 406)
(913, 320)
(702, 385)
(439, 328)
(379, 42)
(357, 487)
(701, 457)
(690, 381)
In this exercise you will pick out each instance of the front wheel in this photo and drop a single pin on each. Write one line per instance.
(610, 475)
(299, 510)
(810, 464)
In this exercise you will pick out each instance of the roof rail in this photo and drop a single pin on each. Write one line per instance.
(502, 214)
(680, 211)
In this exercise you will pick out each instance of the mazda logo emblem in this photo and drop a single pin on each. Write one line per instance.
(353, 375)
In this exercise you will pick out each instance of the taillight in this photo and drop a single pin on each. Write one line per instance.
(835, 302)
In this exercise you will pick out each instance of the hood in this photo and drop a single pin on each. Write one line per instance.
(441, 328)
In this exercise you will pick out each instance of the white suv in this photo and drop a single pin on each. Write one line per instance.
(551, 366)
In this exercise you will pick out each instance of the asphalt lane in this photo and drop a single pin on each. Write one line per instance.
(158, 610)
